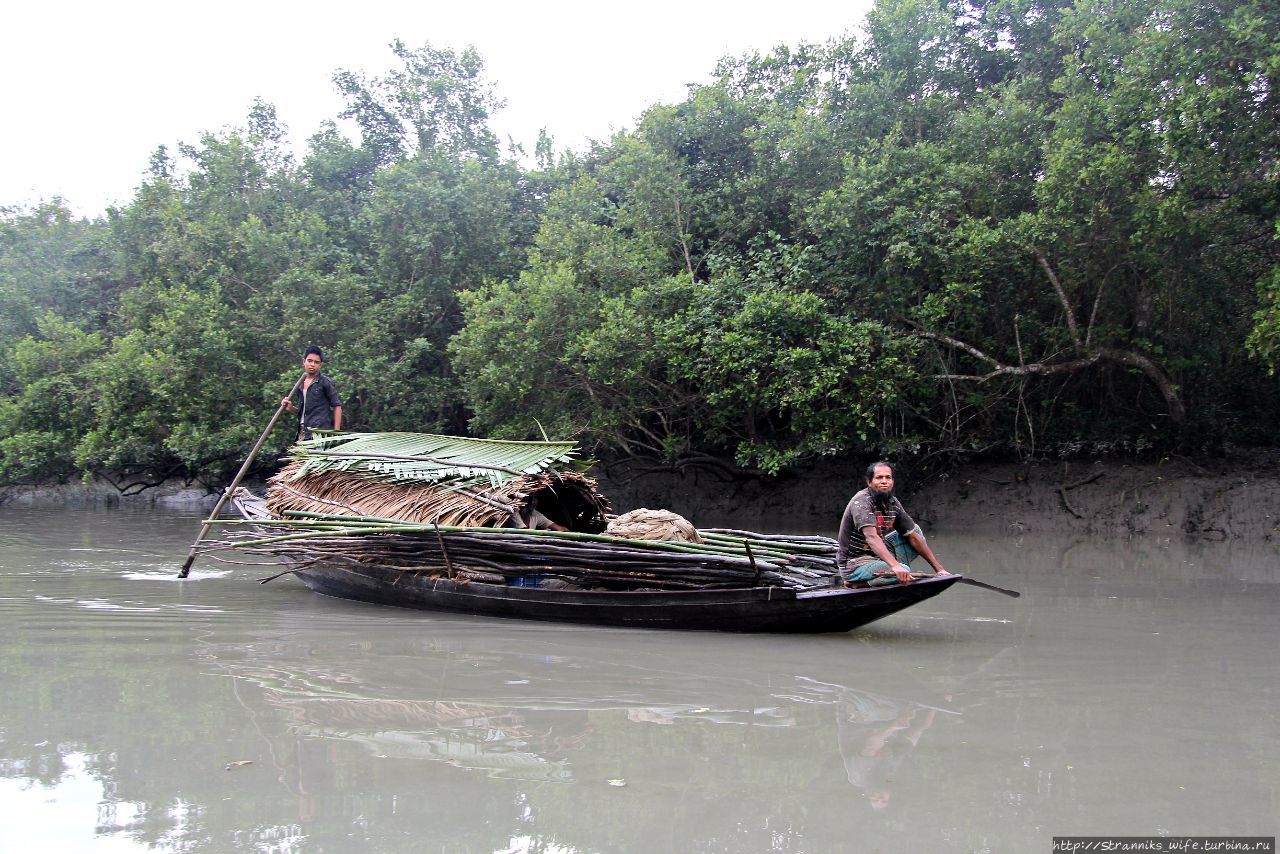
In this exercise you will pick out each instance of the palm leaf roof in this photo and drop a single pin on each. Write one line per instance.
(423, 477)
(427, 458)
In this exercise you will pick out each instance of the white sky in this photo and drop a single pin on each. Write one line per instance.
(90, 88)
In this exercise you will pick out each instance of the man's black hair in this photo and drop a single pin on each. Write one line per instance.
(314, 351)
(871, 469)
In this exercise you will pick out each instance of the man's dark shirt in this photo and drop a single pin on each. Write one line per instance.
(315, 405)
(864, 511)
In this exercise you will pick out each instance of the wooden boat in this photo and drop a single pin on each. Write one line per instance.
(827, 608)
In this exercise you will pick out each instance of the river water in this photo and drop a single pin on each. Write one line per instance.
(1132, 690)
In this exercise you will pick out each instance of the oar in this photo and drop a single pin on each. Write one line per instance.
(226, 493)
(964, 579)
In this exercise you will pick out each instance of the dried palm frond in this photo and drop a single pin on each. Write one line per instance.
(448, 480)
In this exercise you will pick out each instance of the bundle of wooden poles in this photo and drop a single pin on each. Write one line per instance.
(725, 559)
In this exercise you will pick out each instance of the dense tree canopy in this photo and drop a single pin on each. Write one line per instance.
(1021, 226)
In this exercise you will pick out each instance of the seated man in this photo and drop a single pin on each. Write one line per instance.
(534, 519)
(877, 537)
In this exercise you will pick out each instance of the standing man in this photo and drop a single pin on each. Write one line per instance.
(319, 406)
(877, 537)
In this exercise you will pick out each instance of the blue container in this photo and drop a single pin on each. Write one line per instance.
(526, 581)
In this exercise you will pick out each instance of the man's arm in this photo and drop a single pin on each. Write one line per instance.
(880, 550)
(335, 402)
(847, 527)
(535, 518)
(922, 548)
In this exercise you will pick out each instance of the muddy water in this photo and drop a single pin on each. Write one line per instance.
(1132, 690)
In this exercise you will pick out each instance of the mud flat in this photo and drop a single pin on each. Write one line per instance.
(1237, 495)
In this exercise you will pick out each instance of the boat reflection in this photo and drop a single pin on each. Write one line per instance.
(523, 744)
(539, 714)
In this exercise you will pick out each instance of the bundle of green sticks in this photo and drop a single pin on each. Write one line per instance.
(726, 558)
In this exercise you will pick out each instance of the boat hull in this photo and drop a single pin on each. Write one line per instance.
(757, 609)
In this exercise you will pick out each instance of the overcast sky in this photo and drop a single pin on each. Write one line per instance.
(90, 89)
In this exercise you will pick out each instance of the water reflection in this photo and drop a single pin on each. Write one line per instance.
(538, 715)
(876, 734)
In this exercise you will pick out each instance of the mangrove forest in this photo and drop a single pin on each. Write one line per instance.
(1028, 228)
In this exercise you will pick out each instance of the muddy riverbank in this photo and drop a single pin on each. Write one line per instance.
(1223, 498)
(1233, 496)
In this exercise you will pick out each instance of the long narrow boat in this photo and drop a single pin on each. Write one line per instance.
(750, 608)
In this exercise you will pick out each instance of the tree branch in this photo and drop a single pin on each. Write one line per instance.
(1062, 298)
(959, 345)
(1002, 370)
(1154, 373)
(682, 236)
(1128, 358)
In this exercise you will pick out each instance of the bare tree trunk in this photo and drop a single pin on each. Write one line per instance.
(1128, 358)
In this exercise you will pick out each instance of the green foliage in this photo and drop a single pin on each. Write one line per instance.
(154, 408)
(519, 356)
(50, 262)
(680, 367)
(438, 101)
(1028, 226)
(203, 291)
(579, 230)
(1264, 340)
(764, 373)
(41, 424)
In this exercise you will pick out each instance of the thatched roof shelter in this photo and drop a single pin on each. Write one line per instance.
(421, 477)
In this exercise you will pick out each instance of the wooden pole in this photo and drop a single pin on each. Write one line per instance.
(227, 493)
(1014, 594)
(444, 552)
(964, 579)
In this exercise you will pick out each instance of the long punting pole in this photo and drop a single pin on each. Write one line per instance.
(227, 493)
